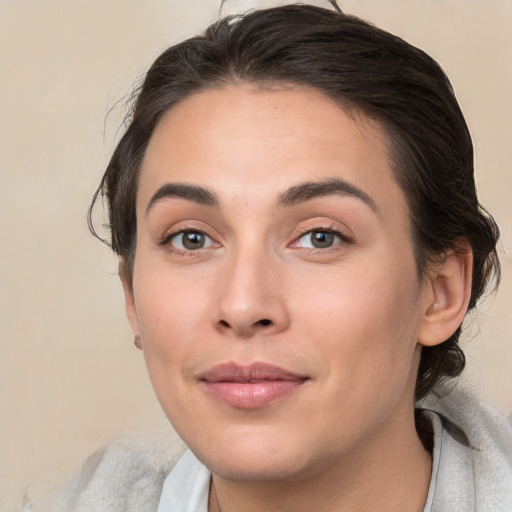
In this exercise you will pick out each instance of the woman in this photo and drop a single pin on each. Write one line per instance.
(299, 235)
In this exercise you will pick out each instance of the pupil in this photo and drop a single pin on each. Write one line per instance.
(321, 239)
(193, 240)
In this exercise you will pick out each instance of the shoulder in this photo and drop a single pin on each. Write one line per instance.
(479, 420)
(476, 452)
(125, 476)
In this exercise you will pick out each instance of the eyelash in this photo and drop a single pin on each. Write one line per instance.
(323, 229)
(166, 241)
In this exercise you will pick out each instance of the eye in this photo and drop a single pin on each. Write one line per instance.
(190, 240)
(319, 239)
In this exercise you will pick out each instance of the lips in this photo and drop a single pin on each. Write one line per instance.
(249, 387)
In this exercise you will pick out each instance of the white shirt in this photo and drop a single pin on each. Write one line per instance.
(186, 486)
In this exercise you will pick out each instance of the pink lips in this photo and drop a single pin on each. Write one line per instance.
(249, 387)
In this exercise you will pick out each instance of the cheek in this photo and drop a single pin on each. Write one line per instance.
(169, 302)
(365, 329)
(172, 316)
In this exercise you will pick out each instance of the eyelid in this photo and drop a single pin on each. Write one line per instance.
(172, 227)
(180, 229)
(321, 227)
(183, 233)
(327, 227)
(171, 234)
(336, 239)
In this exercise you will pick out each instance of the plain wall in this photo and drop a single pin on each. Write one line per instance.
(70, 378)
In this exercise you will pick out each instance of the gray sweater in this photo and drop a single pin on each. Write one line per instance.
(474, 470)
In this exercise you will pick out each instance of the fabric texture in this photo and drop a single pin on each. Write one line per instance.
(475, 467)
(125, 476)
(472, 471)
(187, 486)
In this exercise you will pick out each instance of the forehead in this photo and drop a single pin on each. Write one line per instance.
(254, 143)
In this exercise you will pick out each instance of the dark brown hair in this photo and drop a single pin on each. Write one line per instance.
(362, 68)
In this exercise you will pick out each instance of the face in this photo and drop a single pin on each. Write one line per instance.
(274, 284)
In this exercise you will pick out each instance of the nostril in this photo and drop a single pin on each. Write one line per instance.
(243, 327)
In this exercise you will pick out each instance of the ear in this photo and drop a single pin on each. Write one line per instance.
(447, 294)
(129, 299)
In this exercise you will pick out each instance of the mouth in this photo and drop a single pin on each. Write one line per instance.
(250, 387)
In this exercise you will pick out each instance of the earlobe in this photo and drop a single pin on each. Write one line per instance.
(447, 297)
(131, 311)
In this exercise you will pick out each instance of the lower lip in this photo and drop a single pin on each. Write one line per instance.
(251, 395)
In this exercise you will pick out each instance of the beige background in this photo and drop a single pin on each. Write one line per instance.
(70, 377)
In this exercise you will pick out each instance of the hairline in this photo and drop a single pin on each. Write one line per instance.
(356, 112)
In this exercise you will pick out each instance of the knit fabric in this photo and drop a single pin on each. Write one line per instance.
(476, 477)
(125, 476)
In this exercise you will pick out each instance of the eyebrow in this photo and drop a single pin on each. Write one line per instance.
(314, 189)
(194, 193)
(295, 195)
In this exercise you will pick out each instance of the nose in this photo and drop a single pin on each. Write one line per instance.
(251, 297)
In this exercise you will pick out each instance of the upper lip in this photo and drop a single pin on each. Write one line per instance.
(254, 372)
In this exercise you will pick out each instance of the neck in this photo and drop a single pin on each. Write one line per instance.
(392, 472)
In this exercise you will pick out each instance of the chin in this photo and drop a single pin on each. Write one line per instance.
(247, 455)
(264, 468)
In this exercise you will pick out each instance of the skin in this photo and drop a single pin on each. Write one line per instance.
(351, 316)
